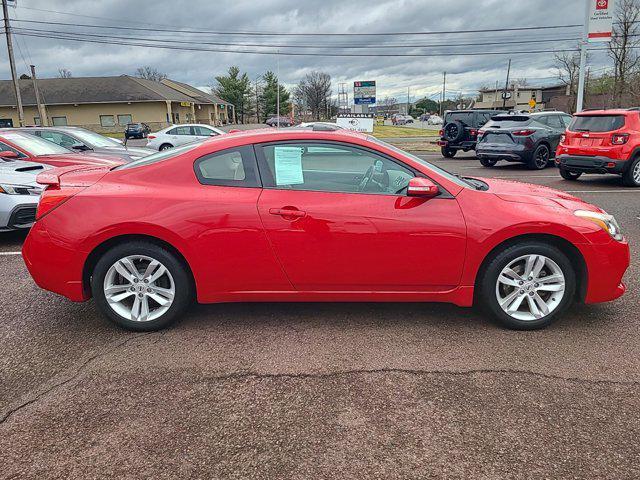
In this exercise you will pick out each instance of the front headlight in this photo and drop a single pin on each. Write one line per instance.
(9, 189)
(603, 220)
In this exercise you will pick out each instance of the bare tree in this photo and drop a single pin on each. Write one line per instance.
(386, 104)
(64, 73)
(150, 73)
(568, 67)
(623, 43)
(315, 91)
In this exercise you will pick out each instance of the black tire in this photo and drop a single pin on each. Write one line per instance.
(487, 280)
(631, 176)
(165, 146)
(540, 158)
(182, 284)
(488, 162)
(568, 175)
(448, 152)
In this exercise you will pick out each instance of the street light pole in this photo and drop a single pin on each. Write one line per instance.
(12, 63)
(278, 88)
(583, 59)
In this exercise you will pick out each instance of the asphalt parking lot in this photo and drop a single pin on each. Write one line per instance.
(324, 390)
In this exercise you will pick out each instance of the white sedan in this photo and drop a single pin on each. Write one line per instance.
(177, 135)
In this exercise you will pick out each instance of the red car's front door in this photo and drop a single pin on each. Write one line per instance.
(369, 237)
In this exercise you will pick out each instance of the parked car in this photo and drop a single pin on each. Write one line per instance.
(19, 193)
(424, 117)
(323, 216)
(272, 121)
(17, 145)
(526, 138)
(435, 120)
(404, 119)
(83, 140)
(602, 141)
(136, 130)
(319, 125)
(460, 130)
(177, 135)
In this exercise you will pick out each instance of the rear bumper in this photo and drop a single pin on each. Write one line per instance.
(468, 145)
(517, 153)
(606, 265)
(53, 265)
(590, 164)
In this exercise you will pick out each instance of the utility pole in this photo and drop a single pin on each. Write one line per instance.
(257, 103)
(278, 88)
(12, 63)
(506, 86)
(583, 59)
(444, 92)
(408, 102)
(44, 122)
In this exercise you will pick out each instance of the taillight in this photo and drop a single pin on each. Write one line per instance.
(151, 137)
(441, 132)
(619, 138)
(473, 132)
(562, 138)
(53, 197)
(523, 133)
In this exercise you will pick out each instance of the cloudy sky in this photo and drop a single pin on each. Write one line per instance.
(165, 21)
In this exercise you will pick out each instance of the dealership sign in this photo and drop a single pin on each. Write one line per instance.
(356, 122)
(601, 20)
(364, 93)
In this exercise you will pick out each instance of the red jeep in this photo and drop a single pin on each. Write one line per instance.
(602, 141)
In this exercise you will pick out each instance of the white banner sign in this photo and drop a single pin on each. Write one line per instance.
(358, 124)
(601, 20)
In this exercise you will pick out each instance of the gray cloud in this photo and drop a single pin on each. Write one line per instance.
(393, 74)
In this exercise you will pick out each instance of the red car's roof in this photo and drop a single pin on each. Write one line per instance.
(613, 111)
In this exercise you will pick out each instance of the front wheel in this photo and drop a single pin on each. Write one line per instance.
(527, 286)
(141, 286)
(488, 162)
(448, 152)
(540, 158)
(568, 175)
(631, 177)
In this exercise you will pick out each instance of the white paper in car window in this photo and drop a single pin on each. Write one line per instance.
(288, 162)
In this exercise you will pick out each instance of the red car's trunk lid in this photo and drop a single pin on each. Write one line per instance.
(73, 176)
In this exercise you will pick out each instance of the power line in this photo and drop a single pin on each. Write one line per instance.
(298, 34)
(265, 45)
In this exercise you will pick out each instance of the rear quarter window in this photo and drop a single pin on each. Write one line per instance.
(596, 123)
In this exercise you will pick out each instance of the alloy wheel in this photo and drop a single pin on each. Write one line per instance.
(530, 287)
(139, 288)
(636, 173)
(542, 157)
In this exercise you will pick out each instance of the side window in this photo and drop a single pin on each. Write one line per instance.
(566, 120)
(544, 120)
(4, 148)
(235, 167)
(483, 117)
(203, 131)
(554, 122)
(330, 167)
(184, 130)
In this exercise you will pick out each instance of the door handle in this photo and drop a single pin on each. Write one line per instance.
(290, 212)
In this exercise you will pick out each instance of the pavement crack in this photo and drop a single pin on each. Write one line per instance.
(78, 370)
(418, 372)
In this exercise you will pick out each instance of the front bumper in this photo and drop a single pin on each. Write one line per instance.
(606, 265)
(590, 164)
(17, 212)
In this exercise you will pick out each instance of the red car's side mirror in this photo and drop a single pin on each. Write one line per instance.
(422, 187)
(8, 154)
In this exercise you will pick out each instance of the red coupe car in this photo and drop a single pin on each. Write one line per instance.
(24, 146)
(311, 216)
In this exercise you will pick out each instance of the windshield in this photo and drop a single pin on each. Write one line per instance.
(160, 156)
(95, 139)
(440, 171)
(596, 123)
(34, 145)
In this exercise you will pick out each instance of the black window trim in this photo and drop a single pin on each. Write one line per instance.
(249, 163)
(266, 178)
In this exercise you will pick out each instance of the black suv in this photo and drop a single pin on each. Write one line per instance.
(136, 130)
(460, 130)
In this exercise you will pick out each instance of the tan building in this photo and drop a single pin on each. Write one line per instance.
(107, 104)
(519, 97)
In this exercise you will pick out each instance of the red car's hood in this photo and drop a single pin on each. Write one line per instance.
(80, 159)
(519, 192)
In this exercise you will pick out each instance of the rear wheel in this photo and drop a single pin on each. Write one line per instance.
(568, 175)
(631, 178)
(488, 162)
(448, 152)
(527, 286)
(141, 286)
(540, 158)
(165, 146)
